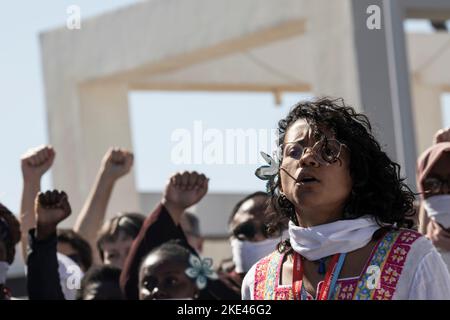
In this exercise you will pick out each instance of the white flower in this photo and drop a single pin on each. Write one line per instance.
(269, 172)
(200, 270)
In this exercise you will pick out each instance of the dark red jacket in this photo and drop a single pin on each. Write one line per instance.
(157, 229)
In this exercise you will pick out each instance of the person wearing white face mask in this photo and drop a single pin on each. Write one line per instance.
(9, 237)
(248, 235)
(433, 173)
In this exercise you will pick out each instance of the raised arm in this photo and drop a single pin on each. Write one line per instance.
(43, 281)
(34, 164)
(115, 164)
(182, 191)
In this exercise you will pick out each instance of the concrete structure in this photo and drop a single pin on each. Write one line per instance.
(213, 211)
(320, 46)
(430, 78)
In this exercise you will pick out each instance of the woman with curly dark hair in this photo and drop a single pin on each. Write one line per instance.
(349, 213)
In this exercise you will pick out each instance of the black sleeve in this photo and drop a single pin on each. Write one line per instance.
(158, 228)
(43, 280)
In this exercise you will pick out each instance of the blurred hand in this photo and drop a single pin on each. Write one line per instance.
(438, 235)
(184, 190)
(35, 162)
(232, 280)
(442, 135)
(117, 163)
(51, 208)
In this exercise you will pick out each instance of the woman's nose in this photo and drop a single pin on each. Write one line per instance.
(308, 158)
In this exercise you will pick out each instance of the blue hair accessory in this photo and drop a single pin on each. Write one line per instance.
(200, 270)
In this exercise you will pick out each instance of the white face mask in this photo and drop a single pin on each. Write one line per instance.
(247, 253)
(4, 267)
(438, 209)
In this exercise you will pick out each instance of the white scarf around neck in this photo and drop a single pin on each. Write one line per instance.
(324, 240)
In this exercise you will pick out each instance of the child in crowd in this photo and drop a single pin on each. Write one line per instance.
(172, 271)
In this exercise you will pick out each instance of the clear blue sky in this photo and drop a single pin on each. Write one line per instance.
(23, 122)
(22, 109)
(215, 111)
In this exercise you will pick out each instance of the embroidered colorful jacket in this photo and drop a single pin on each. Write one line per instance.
(389, 255)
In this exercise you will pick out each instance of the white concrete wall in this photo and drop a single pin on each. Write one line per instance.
(213, 211)
(87, 71)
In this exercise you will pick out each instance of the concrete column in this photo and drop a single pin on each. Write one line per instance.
(331, 50)
(105, 123)
(64, 134)
(427, 110)
(384, 81)
(84, 122)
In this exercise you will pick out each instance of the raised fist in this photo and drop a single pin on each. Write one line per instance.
(117, 163)
(52, 207)
(35, 162)
(185, 189)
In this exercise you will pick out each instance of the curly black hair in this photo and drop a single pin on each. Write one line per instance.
(377, 190)
(101, 274)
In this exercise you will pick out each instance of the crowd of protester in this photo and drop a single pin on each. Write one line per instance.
(159, 255)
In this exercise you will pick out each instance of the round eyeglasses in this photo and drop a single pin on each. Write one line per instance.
(248, 230)
(435, 185)
(325, 151)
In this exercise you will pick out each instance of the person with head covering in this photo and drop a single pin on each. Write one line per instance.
(433, 174)
(349, 212)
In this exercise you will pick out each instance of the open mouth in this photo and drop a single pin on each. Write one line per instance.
(306, 179)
